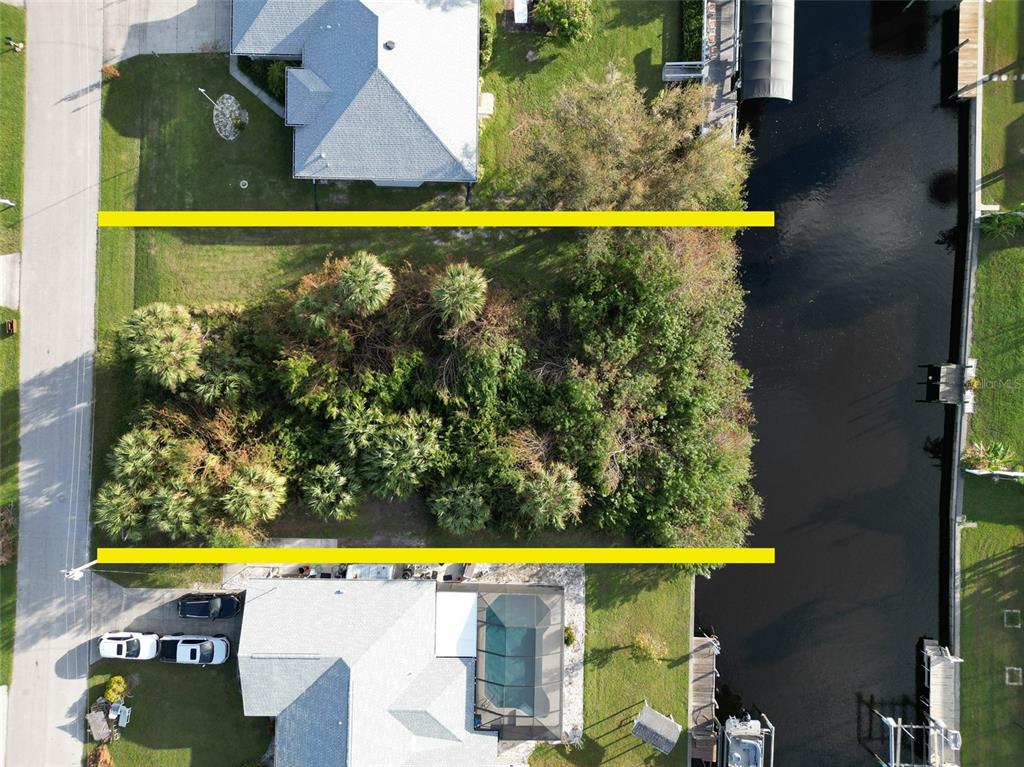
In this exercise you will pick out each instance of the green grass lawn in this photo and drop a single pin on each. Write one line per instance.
(1003, 106)
(12, 122)
(8, 485)
(623, 601)
(992, 713)
(998, 344)
(183, 717)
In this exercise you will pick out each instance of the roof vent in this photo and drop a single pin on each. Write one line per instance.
(389, 45)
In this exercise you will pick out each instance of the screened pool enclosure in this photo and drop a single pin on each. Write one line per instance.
(520, 639)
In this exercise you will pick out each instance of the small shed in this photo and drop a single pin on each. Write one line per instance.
(657, 730)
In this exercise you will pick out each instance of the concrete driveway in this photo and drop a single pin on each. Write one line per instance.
(132, 27)
(115, 608)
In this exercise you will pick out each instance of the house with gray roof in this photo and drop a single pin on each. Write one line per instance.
(387, 90)
(364, 673)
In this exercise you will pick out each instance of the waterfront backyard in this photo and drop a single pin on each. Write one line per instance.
(1003, 105)
(992, 556)
(992, 560)
(629, 606)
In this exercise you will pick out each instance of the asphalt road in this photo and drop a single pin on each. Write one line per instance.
(58, 289)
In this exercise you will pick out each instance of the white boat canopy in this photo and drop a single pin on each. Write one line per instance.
(767, 53)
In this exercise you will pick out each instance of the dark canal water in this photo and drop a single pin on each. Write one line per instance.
(848, 295)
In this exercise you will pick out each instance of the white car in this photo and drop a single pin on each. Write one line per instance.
(195, 650)
(129, 645)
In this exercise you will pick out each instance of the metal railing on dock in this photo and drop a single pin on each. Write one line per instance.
(719, 65)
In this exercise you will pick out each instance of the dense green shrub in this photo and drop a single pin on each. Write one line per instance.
(693, 30)
(460, 508)
(1003, 226)
(254, 493)
(329, 493)
(602, 146)
(276, 77)
(486, 39)
(567, 20)
(393, 451)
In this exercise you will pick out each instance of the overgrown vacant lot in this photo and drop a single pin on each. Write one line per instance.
(1003, 105)
(993, 581)
(627, 606)
(998, 344)
(12, 126)
(182, 716)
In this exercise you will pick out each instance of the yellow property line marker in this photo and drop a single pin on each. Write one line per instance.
(416, 556)
(435, 218)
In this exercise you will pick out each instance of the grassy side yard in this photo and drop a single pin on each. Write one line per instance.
(12, 122)
(623, 603)
(8, 488)
(998, 344)
(992, 712)
(1003, 106)
(183, 717)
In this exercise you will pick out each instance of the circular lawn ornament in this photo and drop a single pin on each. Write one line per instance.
(229, 118)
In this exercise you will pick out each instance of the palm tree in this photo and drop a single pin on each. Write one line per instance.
(364, 284)
(459, 294)
(164, 343)
(255, 493)
(118, 512)
(329, 493)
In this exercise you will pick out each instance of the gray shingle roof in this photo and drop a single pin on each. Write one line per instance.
(306, 94)
(321, 710)
(349, 669)
(387, 90)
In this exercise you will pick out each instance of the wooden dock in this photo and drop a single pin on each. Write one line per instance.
(943, 711)
(703, 726)
(968, 68)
